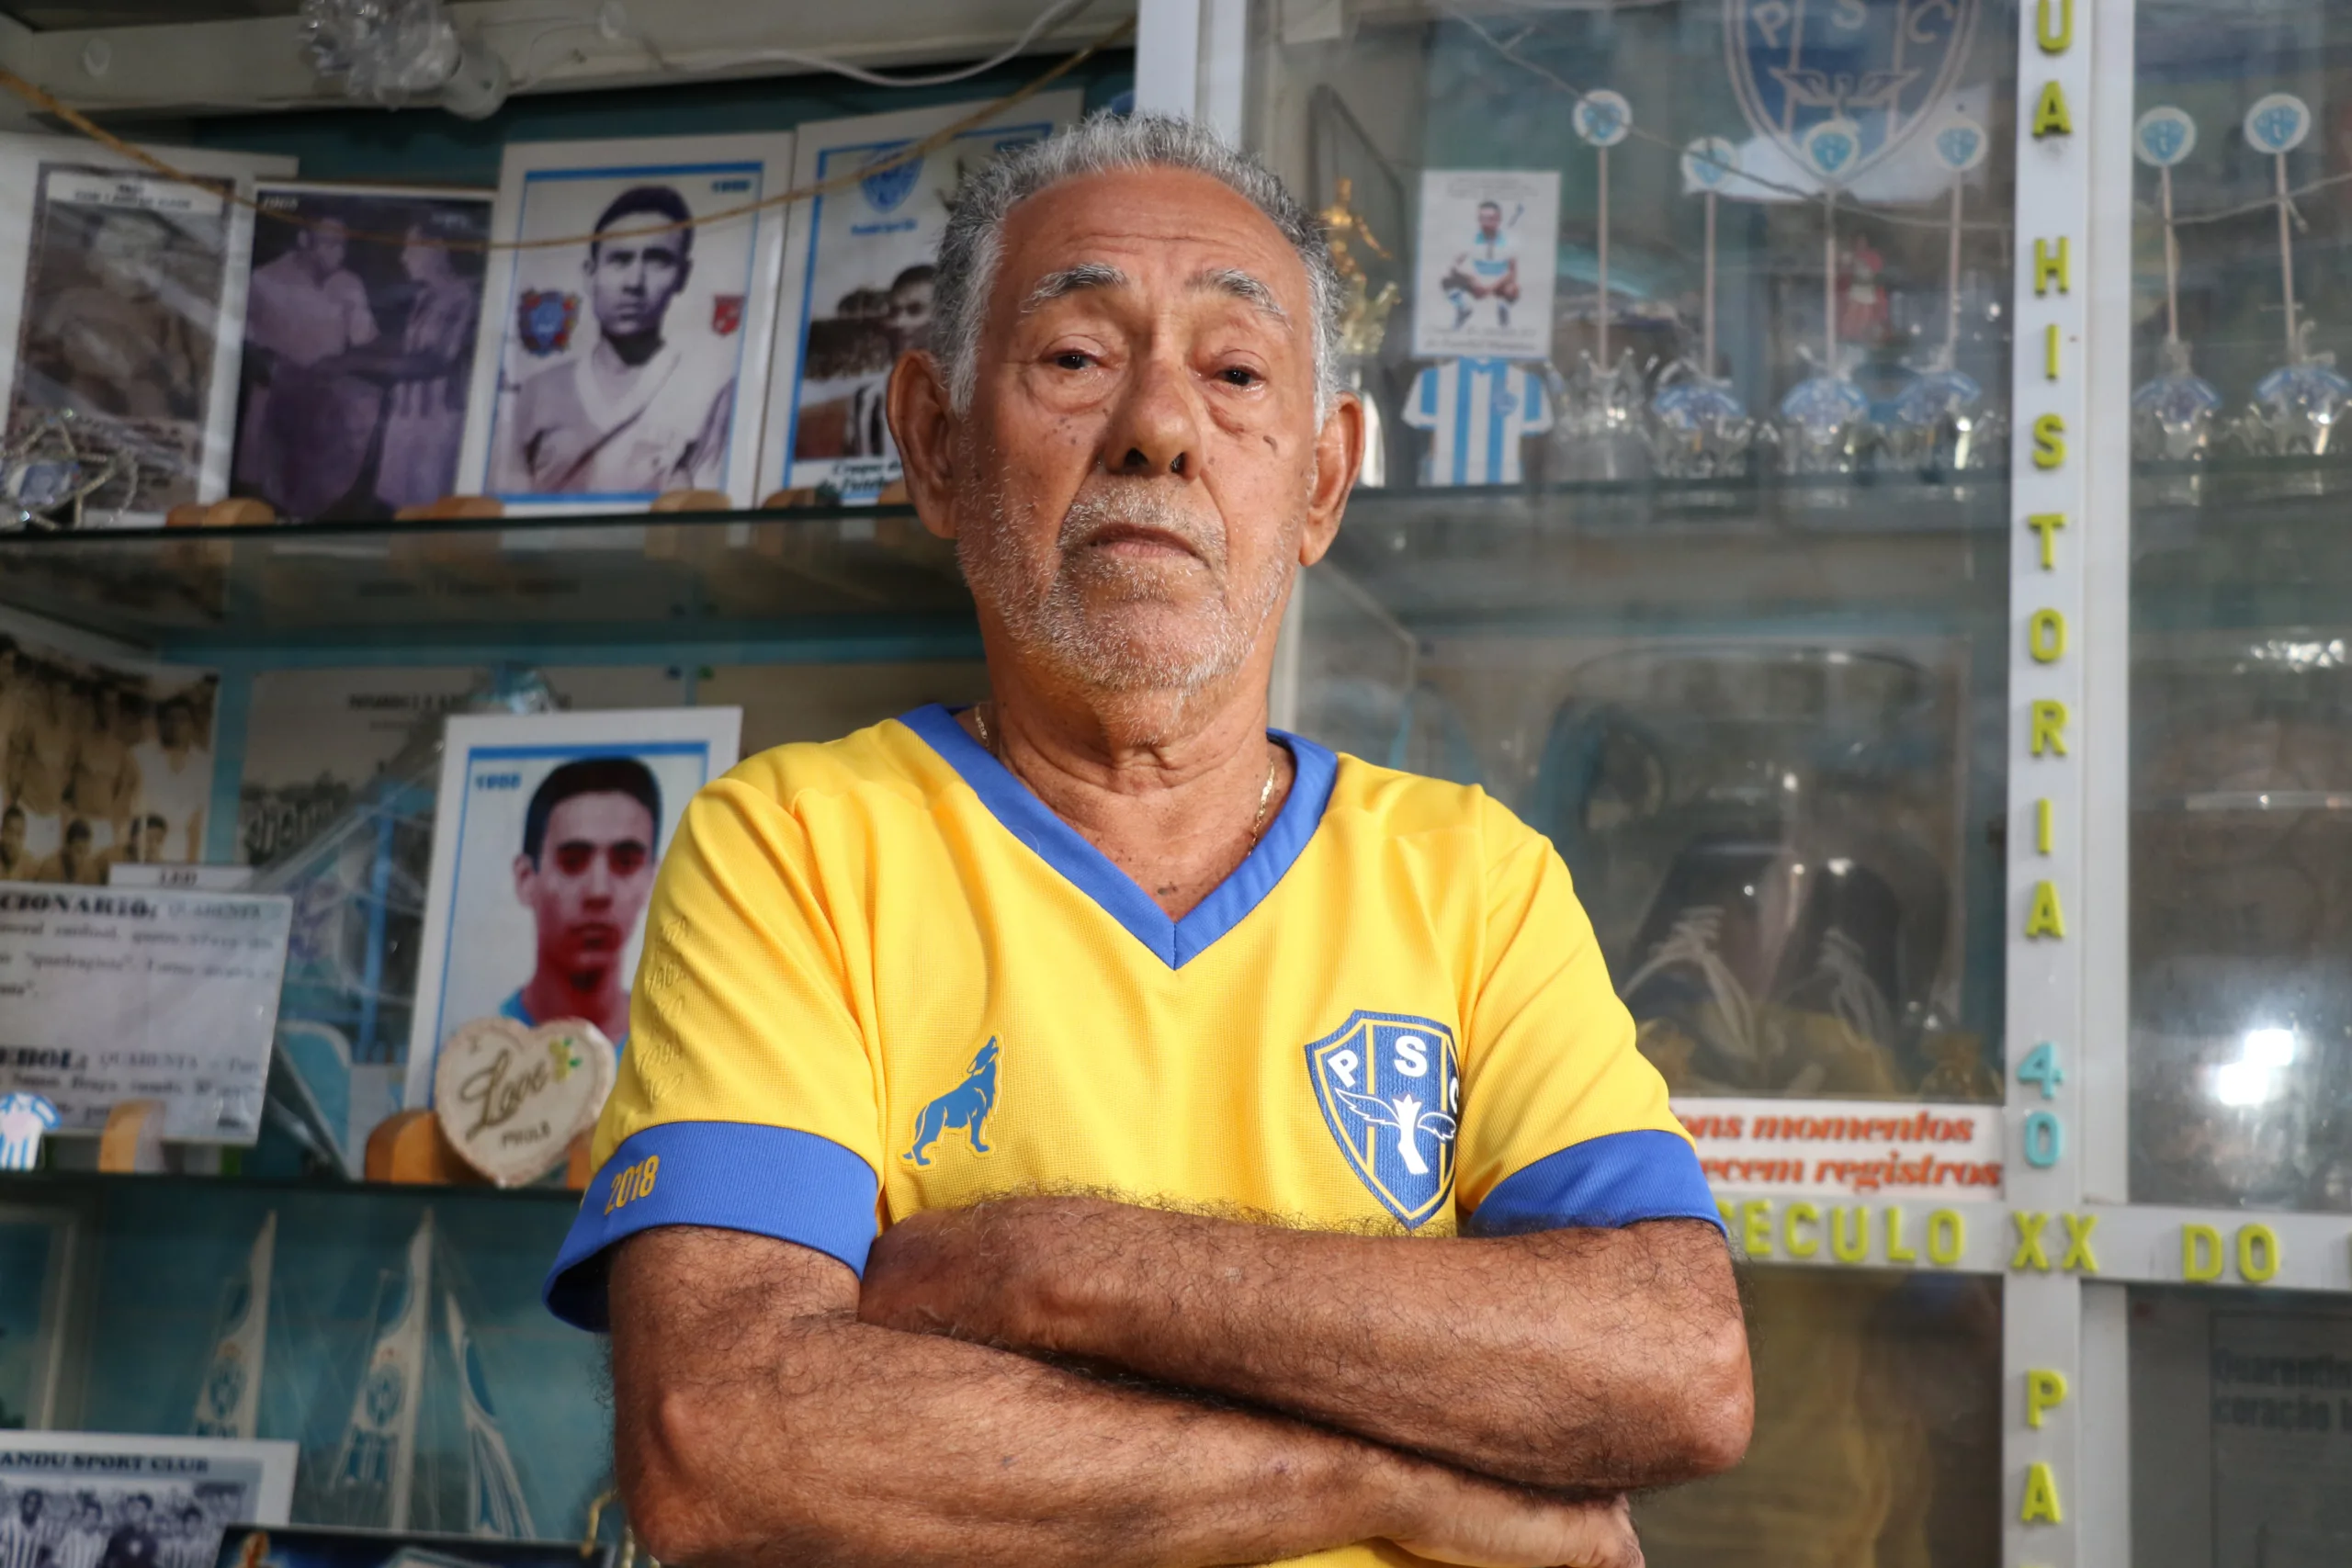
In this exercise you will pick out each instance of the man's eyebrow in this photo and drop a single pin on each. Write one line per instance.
(1073, 280)
(1246, 287)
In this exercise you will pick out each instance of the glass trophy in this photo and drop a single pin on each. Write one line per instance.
(1598, 431)
(1699, 428)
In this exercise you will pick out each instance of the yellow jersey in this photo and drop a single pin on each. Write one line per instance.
(881, 977)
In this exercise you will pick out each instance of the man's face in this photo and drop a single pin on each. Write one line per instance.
(633, 275)
(127, 257)
(135, 1512)
(324, 248)
(910, 318)
(1490, 219)
(1141, 469)
(594, 874)
(28, 1508)
(171, 725)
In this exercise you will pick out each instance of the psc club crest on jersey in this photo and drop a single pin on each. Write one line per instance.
(885, 188)
(544, 318)
(1885, 65)
(1390, 1087)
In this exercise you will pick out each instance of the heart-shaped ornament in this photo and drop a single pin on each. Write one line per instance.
(511, 1098)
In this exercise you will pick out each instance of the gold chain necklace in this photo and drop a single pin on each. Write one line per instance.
(1266, 791)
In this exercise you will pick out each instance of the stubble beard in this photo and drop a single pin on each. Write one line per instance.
(1099, 621)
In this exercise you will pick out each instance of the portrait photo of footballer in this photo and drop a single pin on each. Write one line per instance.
(360, 318)
(631, 363)
(1483, 270)
(858, 273)
(546, 838)
(121, 316)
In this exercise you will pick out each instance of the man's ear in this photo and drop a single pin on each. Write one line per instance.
(523, 872)
(925, 428)
(1339, 452)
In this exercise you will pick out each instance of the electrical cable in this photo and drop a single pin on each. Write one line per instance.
(724, 59)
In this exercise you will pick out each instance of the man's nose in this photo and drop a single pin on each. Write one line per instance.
(1156, 429)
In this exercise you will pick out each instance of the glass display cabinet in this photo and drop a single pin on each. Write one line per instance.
(1858, 475)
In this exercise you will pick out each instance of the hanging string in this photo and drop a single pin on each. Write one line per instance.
(48, 103)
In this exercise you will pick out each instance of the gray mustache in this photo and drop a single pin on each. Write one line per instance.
(1098, 510)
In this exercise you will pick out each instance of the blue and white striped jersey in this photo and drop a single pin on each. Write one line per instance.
(1477, 411)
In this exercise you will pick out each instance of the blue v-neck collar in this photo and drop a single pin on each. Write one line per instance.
(1088, 869)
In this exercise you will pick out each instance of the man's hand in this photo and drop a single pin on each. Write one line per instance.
(1593, 1360)
(1498, 1528)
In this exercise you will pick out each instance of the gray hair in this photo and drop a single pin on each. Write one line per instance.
(974, 247)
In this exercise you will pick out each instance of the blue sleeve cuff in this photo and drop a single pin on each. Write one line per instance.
(1619, 1179)
(731, 1175)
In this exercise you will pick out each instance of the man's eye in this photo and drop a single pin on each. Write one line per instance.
(1239, 375)
(1073, 359)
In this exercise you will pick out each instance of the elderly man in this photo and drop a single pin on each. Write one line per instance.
(1156, 1041)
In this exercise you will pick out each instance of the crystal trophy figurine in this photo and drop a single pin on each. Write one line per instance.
(2297, 406)
(1825, 425)
(1597, 432)
(1364, 319)
(2172, 413)
(1938, 427)
(1699, 428)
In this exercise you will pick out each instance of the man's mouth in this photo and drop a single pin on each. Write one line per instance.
(596, 937)
(1139, 540)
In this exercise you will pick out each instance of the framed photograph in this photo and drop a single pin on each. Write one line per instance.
(545, 839)
(631, 363)
(360, 321)
(96, 1497)
(1489, 243)
(122, 298)
(37, 1261)
(857, 285)
(279, 1547)
(106, 761)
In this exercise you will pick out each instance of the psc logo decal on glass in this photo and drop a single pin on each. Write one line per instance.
(1391, 1090)
(967, 1105)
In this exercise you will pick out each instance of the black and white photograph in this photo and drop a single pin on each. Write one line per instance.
(308, 1548)
(546, 835)
(98, 1500)
(101, 762)
(858, 283)
(360, 322)
(630, 363)
(127, 304)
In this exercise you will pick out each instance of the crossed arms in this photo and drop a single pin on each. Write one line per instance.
(1046, 1380)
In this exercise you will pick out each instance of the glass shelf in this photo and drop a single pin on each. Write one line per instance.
(1652, 553)
(1665, 554)
(863, 572)
(55, 1185)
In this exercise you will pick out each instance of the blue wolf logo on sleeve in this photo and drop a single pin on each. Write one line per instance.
(967, 1105)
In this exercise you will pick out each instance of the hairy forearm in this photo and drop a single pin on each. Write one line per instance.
(744, 1436)
(1593, 1359)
